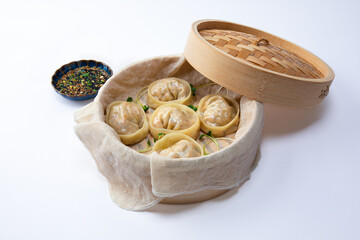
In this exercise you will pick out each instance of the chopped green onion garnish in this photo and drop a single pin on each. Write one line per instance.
(193, 89)
(193, 108)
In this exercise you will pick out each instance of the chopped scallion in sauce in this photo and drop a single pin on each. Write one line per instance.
(82, 81)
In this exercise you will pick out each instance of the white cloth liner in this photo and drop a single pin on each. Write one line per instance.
(138, 181)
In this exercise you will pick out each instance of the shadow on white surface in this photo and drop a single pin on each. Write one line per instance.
(72, 103)
(282, 120)
(171, 208)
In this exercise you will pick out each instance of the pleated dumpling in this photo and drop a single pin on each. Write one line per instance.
(218, 114)
(169, 90)
(174, 117)
(128, 119)
(178, 145)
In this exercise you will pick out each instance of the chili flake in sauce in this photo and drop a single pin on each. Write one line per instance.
(82, 81)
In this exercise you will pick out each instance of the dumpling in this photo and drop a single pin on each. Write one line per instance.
(128, 119)
(169, 90)
(218, 114)
(177, 145)
(181, 149)
(174, 117)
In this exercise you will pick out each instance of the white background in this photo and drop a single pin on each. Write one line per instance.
(306, 186)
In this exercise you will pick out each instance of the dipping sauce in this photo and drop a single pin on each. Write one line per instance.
(82, 81)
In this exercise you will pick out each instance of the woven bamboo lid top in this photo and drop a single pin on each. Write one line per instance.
(257, 64)
(260, 52)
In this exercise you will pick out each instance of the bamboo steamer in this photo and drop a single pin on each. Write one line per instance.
(257, 64)
(248, 61)
(194, 197)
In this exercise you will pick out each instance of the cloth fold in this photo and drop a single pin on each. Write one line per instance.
(220, 170)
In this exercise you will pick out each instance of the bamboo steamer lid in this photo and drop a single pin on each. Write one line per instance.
(257, 64)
